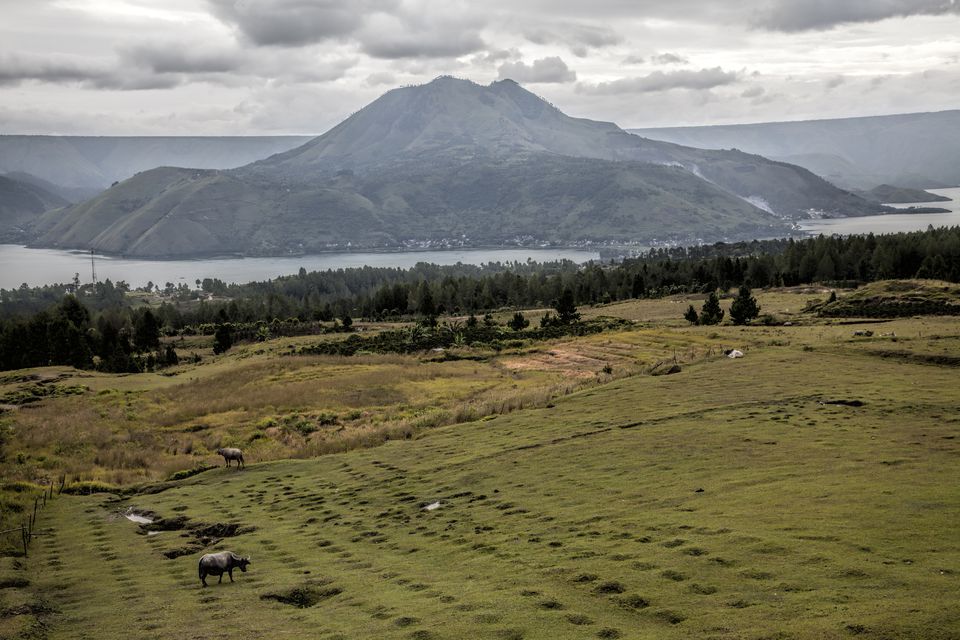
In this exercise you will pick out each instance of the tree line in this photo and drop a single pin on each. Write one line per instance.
(37, 325)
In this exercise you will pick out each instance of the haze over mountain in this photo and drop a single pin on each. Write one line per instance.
(78, 167)
(20, 204)
(457, 162)
(920, 150)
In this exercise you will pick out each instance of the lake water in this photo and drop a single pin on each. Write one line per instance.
(47, 266)
(894, 222)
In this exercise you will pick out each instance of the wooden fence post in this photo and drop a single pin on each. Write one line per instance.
(23, 538)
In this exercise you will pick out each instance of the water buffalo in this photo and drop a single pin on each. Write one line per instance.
(229, 454)
(215, 564)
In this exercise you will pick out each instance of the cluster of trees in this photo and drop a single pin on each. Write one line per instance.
(743, 309)
(430, 290)
(120, 339)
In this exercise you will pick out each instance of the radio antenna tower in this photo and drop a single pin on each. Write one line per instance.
(93, 268)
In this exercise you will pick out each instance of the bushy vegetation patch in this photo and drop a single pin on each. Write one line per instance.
(895, 299)
(189, 473)
(421, 338)
(28, 394)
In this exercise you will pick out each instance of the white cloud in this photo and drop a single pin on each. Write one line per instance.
(551, 69)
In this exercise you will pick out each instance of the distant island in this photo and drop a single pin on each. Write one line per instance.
(923, 210)
(889, 194)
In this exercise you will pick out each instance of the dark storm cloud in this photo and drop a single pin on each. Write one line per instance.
(661, 81)
(293, 23)
(807, 15)
(545, 70)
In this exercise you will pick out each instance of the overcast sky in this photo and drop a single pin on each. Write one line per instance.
(243, 67)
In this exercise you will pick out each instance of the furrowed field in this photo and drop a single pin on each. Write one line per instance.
(551, 490)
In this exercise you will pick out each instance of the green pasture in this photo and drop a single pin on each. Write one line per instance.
(807, 490)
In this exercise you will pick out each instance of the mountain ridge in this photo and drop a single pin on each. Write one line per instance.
(422, 162)
(21, 203)
(917, 150)
(79, 167)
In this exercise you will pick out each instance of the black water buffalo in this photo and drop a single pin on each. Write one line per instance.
(216, 564)
(229, 453)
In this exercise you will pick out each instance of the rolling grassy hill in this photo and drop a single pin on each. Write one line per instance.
(805, 491)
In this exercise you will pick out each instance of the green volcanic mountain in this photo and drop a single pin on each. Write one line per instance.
(458, 162)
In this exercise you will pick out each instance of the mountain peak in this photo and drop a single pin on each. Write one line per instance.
(453, 118)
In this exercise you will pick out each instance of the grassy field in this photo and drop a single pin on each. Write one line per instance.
(808, 490)
(127, 428)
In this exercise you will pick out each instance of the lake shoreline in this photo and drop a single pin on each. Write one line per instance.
(207, 257)
(43, 266)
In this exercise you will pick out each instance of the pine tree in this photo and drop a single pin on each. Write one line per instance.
(744, 307)
(146, 332)
(518, 323)
(691, 315)
(222, 339)
(711, 313)
(566, 309)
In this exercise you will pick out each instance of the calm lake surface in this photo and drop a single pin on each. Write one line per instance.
(48, 266)
(894, 222)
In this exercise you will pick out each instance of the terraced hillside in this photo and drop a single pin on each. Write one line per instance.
(807, 490)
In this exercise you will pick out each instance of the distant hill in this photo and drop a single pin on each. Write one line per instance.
(919, 150)
(20, 204)
(900, 195)
(80, 166)
(452, 160)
